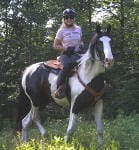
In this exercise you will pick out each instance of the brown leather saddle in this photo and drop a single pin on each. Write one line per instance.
(55, 64)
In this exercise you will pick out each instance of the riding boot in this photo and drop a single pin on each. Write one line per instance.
(60, 92)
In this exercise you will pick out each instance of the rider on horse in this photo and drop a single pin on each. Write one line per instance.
(69, 42)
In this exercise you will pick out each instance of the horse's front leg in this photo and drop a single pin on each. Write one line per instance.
(71, 126)
(98, 119)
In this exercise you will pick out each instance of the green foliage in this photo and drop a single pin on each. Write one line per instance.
(123, 91)
(25, 34)
(120, 133)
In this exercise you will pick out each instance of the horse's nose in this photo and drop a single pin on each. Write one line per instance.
(109, 62)
(106, 60)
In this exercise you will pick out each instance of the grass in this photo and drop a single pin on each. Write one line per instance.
(119, 134)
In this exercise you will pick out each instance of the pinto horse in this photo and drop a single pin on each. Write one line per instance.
(85, 87)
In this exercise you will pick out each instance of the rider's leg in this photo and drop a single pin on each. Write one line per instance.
(60, 92)
(66, 62)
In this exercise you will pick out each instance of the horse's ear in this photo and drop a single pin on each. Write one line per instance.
(108, 28)
(98, 28)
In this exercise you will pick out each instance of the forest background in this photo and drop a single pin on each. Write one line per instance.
(27, 31)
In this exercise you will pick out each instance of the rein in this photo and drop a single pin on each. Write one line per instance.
(97, 95)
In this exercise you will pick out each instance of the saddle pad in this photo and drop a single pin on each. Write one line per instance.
(52, 70)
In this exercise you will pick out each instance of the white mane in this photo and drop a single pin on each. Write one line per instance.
(85, 57)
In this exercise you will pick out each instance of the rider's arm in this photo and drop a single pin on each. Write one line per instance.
(58, 45)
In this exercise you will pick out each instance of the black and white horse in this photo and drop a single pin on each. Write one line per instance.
(85, 87)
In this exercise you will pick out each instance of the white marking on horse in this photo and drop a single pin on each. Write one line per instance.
(107, 48)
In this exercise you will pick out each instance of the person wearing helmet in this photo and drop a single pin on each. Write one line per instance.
(68, 41)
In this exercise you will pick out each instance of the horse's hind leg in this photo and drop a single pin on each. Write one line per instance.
(36, 119)
(26, 121)
(33, 115)
(98, 119)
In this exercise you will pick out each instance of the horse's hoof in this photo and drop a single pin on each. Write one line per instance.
(67, 139)
(43, 132)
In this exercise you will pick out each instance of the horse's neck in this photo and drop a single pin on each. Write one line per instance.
(89, 69)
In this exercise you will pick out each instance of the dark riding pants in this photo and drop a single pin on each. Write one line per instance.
(68, 63)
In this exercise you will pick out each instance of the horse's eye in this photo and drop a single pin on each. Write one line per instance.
(100, 45)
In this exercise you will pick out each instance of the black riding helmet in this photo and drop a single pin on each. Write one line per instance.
(68, 12)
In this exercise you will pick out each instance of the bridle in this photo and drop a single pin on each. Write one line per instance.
(91, 90)
(95, 48)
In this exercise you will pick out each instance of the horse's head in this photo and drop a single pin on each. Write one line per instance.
(100, 46)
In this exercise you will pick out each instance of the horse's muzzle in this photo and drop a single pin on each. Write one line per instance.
(108, 63)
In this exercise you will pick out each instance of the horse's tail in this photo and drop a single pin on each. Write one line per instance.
(23, 108)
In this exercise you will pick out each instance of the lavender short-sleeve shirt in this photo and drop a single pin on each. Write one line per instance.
(69, 36)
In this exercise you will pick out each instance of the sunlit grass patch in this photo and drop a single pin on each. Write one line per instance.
(58, 143)
(121, 133)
